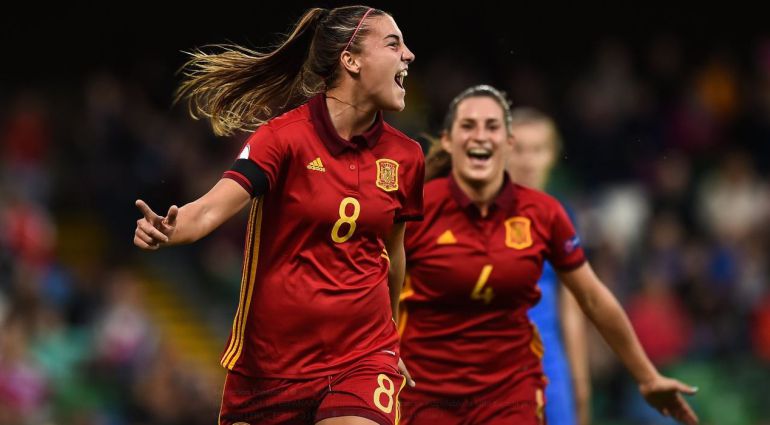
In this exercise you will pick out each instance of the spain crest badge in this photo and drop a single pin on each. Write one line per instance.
(518, 234)
(387, 174)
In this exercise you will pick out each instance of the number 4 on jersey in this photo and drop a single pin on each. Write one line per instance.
(480, 292)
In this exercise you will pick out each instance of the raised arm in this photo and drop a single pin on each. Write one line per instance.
(192, 221)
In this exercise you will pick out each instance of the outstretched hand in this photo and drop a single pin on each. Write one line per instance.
(665, 395)
(152, 230)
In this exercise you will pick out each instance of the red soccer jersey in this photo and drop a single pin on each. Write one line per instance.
(314, 294)
(471, 281)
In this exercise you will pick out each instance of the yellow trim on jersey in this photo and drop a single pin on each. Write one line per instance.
(222, 402)
(238, 313)
(398, 402)
(406, 290)
(247, 288)
(536, 345)
(252, 277)
(384, 254)
(540, 409)
(403, 314)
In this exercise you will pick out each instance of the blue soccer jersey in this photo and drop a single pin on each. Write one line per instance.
(559, 396)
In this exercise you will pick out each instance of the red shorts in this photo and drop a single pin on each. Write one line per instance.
(521, 402)
(369, 389)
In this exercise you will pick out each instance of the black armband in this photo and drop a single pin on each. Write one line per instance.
(257, 179)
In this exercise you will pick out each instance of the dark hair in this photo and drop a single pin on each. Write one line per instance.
(237, 88)
(438, 162)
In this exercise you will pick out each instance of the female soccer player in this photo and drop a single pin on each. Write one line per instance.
(330, 186)
(557, 315)
(473, 265)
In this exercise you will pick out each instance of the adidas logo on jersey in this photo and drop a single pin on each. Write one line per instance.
(446, 238)
(316, 165)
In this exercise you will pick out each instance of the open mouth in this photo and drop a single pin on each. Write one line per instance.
(479, 155)
(400, 78)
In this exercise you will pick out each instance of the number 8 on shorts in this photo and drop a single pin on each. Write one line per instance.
(385, 387)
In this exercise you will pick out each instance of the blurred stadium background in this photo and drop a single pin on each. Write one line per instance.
(665, 116)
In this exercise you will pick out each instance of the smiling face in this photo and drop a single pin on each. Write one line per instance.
(382, 61)
(478, 141)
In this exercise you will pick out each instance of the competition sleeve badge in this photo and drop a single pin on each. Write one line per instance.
(387, 174)
(517, 233)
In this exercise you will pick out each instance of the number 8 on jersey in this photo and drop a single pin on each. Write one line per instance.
(350, 220)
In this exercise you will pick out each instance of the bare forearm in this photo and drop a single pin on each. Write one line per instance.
(200, 217)
(575, 343)
(608, 316)
(396, 274)
(603, 309)
(397, 267)
(191, 224)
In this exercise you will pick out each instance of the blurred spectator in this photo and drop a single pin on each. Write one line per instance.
(23, 384)
(732, 200)
(123, 333)
(25, 144)
(660, 320)
(761, 329)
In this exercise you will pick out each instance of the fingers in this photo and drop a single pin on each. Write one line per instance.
(170, 219)
(686, 389)
(404, 371)
(685, 417)
(149, 234)
(141, 243)
(409, 380)
(666, 396)
(151, 231)
(148, 237)
(148, 213)
(680, 410)
(144, 237)
(683, 412)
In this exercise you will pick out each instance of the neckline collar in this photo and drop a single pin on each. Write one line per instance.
(503, 200)
(319, 115)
